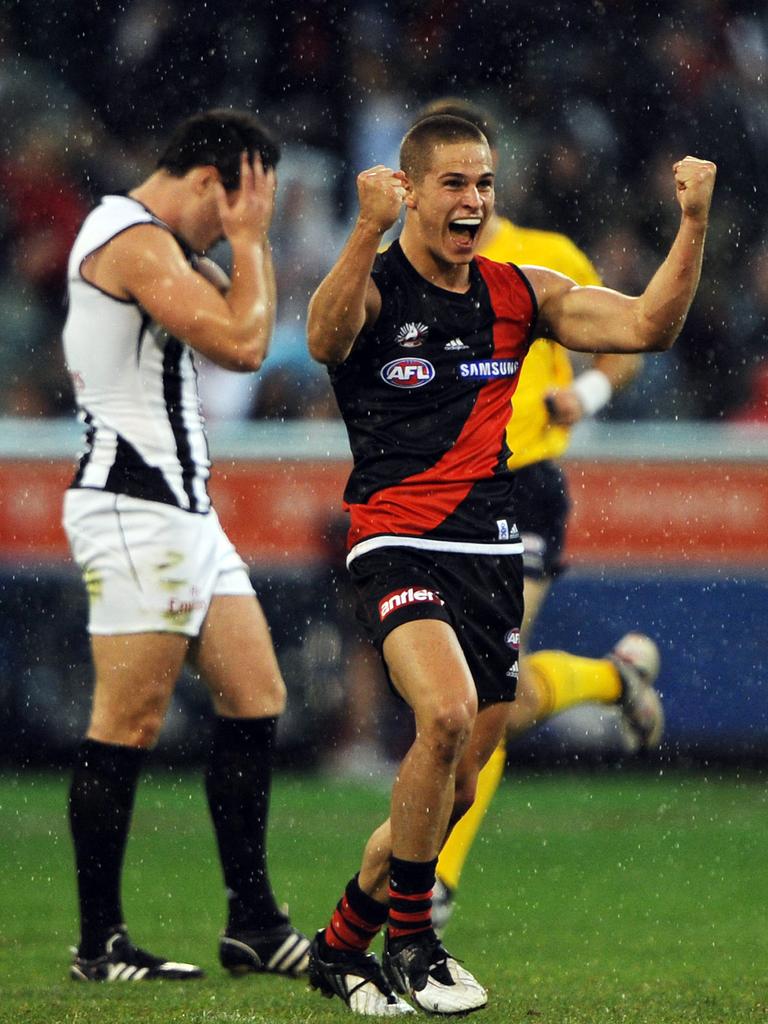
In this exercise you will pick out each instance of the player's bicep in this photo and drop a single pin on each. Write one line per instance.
(584, 319)
(372, 304)
(156, 274)
(548, 287)
(372, 311)
(331, 340)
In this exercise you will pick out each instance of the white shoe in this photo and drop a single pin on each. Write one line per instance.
(436, 981)
(637, 659)
(356, 978)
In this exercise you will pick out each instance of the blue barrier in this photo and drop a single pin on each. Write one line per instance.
(713, 634)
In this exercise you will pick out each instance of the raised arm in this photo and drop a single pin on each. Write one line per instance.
(231, 325)
(347, 299)
(601, 320)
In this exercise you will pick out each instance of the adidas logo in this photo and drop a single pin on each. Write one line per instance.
(455, 345)
(125, 972)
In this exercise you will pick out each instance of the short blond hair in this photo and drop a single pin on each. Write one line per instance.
(421, 139)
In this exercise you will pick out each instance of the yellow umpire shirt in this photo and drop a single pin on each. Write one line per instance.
(530, 435)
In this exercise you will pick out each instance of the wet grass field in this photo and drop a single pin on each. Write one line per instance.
(608, 898)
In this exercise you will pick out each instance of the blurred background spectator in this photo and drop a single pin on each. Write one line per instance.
(595, 99)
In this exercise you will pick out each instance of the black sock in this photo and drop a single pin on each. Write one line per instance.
(356, 921)
(237, 782)
(100, 807)
(410, 900)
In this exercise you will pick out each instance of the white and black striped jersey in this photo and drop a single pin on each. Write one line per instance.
(136, 385)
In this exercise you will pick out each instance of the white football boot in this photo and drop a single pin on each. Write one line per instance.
(637, 660)
(356, 978)
(424, 970)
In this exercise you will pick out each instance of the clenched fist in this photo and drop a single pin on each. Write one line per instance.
(694, 180)
(381, 192)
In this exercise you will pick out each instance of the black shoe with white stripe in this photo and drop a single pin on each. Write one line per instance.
(122, 961)
(279, 950)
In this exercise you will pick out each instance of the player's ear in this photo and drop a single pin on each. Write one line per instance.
(203, 178)
(410, 199)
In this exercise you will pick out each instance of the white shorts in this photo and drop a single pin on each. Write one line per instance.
(149, 567)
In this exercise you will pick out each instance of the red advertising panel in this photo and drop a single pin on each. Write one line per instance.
(669, 513)
(626, 513)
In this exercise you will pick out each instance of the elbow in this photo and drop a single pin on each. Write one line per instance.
(665, 345)
(321, 356)
(656, 336)
(248, 356)
(250, 363)
(633, 365)
(661, 342)
(317, 333)
(319, 349)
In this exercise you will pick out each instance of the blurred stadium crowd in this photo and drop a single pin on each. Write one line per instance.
(595, 100)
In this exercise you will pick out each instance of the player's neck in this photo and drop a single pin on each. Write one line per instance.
(162, 196)
(453, 277)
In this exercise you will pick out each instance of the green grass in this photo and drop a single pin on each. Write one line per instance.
(601, 899)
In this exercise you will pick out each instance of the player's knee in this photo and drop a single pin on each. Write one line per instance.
(257, 698)
(265, 696)
(269, 695)
(129, 727)
(277, 695)
(449, 728)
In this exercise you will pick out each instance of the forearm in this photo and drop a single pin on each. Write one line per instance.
(662, 308)
(337, 310)
(618, 369)
(271, 280)
(271, 291)
(251, 304)
(591, 390)
(602, 320)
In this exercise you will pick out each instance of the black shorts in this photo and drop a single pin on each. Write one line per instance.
(479, 596)
(542, 504)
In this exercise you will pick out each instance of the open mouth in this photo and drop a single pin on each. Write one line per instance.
(465, 229)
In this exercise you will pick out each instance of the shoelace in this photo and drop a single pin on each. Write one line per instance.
(430, 959)
(371, 971)
(367, 967)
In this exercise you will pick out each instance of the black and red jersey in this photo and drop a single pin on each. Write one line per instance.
(425, 394)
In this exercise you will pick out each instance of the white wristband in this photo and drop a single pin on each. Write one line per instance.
(593, 389)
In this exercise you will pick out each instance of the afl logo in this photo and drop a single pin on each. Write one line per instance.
(512, 639)
(408, 372)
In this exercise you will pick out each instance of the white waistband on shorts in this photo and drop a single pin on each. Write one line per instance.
(460, 547)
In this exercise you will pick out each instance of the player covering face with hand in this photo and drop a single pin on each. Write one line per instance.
(165, 583)
(424, 343)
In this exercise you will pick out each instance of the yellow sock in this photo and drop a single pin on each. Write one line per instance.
(456, 850)
(563, 680)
